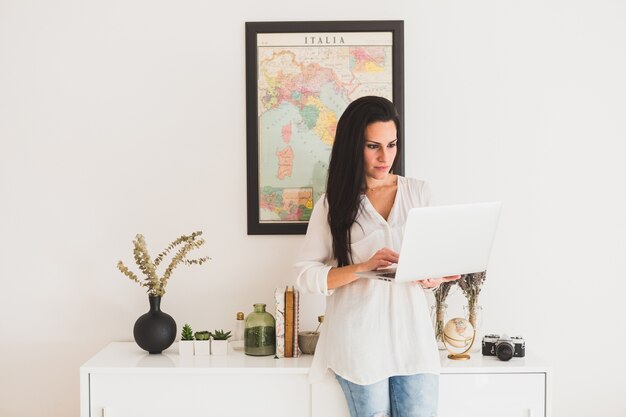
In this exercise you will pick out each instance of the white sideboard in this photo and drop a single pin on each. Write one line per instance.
(124, 381)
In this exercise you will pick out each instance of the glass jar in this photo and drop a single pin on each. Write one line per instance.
(260, 332)
(474, 314)
(237, 339)
(438, 315)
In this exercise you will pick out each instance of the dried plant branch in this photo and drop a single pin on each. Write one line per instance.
(441, 293)
(172, 245)
(181, 257)
(142, 259)
(471, 284)
(128, 272)
(156, 286)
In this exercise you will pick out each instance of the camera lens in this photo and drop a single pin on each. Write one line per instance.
(504, 351)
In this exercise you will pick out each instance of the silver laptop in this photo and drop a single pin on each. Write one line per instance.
(441, 241)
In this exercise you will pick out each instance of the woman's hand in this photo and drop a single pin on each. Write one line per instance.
(338, 277)
(381, 259)
(435, 282)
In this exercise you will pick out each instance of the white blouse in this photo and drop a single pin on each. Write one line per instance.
(373, 329)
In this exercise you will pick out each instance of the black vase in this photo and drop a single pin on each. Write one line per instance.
(155, 331)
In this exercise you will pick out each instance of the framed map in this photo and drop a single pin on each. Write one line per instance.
(300, 77)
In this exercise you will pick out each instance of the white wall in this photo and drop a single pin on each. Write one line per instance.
(125, 117)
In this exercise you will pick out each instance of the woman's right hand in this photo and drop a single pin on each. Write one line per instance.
(383, 258)
(338, 277)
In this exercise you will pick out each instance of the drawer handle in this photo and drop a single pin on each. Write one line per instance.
(107, 412)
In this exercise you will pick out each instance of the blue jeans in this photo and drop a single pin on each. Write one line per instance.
(398, 396)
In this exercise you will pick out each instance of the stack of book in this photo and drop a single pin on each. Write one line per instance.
(287, 322)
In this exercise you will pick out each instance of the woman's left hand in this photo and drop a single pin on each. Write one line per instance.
(435, 282)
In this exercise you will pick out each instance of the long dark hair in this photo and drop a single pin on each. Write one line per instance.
(346, 174)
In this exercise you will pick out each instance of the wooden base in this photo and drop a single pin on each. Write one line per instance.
(459, 356)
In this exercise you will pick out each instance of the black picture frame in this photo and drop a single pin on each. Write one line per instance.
(318, 35)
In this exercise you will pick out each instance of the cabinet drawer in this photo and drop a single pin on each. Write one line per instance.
(460, 395)
(196, 395)
(491, 395)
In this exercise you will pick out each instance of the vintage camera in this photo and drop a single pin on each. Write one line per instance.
(503, 347)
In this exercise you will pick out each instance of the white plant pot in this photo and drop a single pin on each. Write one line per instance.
(202, 347)
(219, 347)
(185, 348)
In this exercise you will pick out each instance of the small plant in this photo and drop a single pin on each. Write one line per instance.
(187, 333)
(220, 335)
(203, 335)
(154, 283)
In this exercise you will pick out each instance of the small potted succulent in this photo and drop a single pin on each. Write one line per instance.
(185, 346)
(202, 344)
(219, 344)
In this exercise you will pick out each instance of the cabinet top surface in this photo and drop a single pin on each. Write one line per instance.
(128, 357)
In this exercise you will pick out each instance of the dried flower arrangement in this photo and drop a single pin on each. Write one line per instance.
(471, 284)
(441, 293)
(154, 283)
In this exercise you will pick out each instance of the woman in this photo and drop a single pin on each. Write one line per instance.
(377, 337)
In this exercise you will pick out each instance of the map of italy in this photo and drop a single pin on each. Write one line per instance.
(302, 91)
